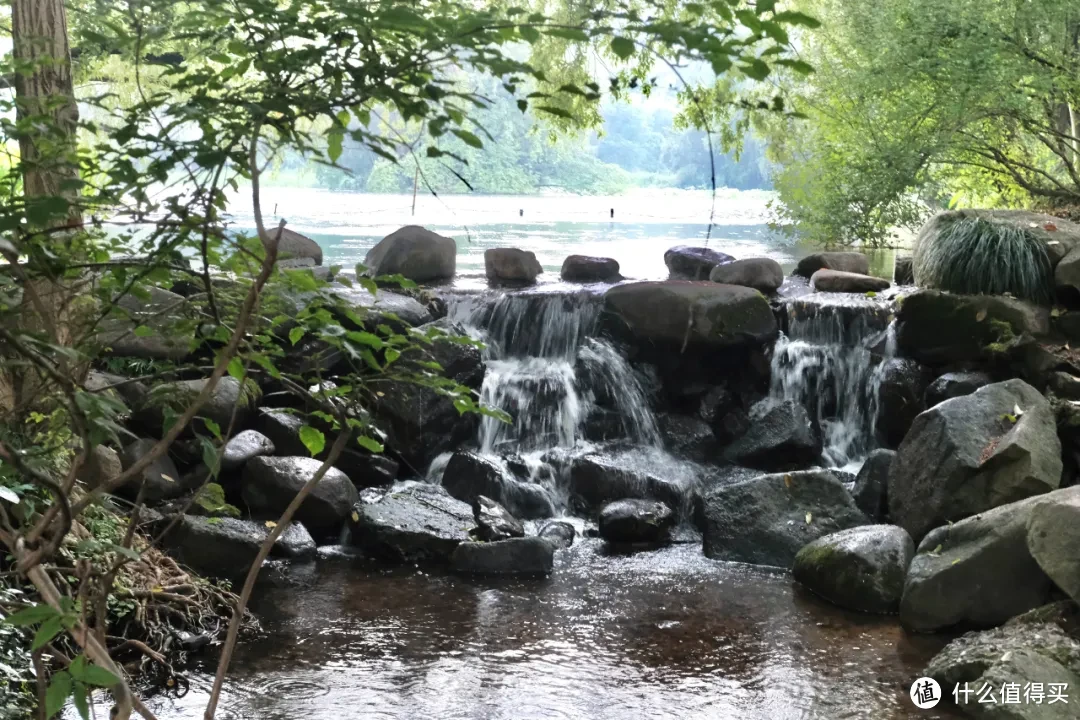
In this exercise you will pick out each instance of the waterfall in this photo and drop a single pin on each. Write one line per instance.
(828, 359)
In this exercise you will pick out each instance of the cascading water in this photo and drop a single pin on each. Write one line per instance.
(829, 360)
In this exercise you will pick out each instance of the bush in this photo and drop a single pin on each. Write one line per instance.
(977, 256)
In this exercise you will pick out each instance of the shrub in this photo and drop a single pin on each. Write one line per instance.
(977, 256)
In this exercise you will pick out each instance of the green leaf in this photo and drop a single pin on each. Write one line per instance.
(295, 334)
(80, 698)
(48, 630)
(622, 47)
(142, 331)
(236, 369)
(212, 426)
(556, 111)
(58, 692)
(370, 444)
(468, 138)
(762, 6)
(756, 69)
(793, 17)
(529, 34)
(803, 68)
(31, 615)
(334, 144)
(313, 440)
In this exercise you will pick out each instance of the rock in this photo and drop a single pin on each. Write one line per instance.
(1053, 538)
(494, 522)
(269, 484)
(516, 556)
(846, 282)
(679, 312)
(1067, 275)
(1068, 324)
(861, 568)
(282, 429)
(226, 547)
(763, 274)
(586, 269)
(225, 399)
(169, 317)
(294, 246)
(767, 520)
(558, 533)
(103, 465)
(511, 266)
(715, 403)
(966, 455)
(310, 356)
(161, 479)
(244, 446)
(420, 424)
(852, 262)
(938, 328)
(468, 476)
(688, 437)
(954, 384)
(780, 437)
(871, 484)
(636, 521)
(419, 523)
(366, 470)
(1065, 385)
(376, 309)
(1024, 655)
(599, 479)
(416, 253)
(903, 274)
(977, 572)
(693, 263)
(462, 363)
(900, 398)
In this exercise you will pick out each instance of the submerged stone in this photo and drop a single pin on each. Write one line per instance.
(515, 556)
(636, 521)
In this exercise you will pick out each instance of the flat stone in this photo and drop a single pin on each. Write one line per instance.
(417, 523)
(763, 274)
(846, 282)
(852, 262)
(516, 556)
(636, 521)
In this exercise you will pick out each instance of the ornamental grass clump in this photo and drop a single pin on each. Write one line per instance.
(975, 256)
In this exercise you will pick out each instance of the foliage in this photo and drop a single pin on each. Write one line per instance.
(918, 105)
(16, 676)
(973, 255)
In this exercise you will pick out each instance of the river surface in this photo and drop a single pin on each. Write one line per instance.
(661, 634)
(646, 223)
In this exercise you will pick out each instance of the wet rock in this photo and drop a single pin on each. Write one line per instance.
(226, 547)
(846, 282)
(1068, 324)
(1067, 274)
(461, 362)
(966, 455)
(688, 437)
(903, 274)
(416, 253)
(860, 568)
(693, 263)
(516, 556)
(494, 522)
(871, 484)
(244, 446)
(310, 356)
(282, 429)
(558, 533)
(975, 573)
(636, 521)
(226, 398)
(418, 523)
(900, 398)
(596, 480)
(169, 316)
(293, 246)
(103, 465)
(715, 402)
(938, 328)
(586, 269)
(954, 384)
(763, 274)
(779, 437)
(767, 520)
(365, 469)
(1053, 538)
(161, 479)
(511, 266)
(269, 484)
(1024, 655)
(468, 476)
(420, 424)
(852, 262)
(376, 309)
(1064, 385)
(679, 313)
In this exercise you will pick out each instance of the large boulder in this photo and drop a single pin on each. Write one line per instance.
(103, 465)
(587, 269)
(693, 263)
(1053, 538)
(460, 361)
(977, 572)
(169, 320)
(839, 281)
(515, 556)
(421, 424)
(383, 307)
(767, 520)
(159, 481)
(688, 437)
(469, 476)
(903, 274)
(852, 262)
(860, 568)
(1034, 658)
(227, 397)
(415, 252)
(870, 489)
(973, 453)
(511, 266)
(779, 437)
(954, 384)
(902, 383)
(269, 484)
(763, 274)
(636, 521)
(679, 312)
(226, 547)
(600, 478)
(243, 446)
(938, 328)
(366, 469)
(418, 523)
(294, 246)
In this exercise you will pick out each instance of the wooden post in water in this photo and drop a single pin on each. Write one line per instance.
(415, 181)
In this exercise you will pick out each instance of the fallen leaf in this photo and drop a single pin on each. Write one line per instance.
(787, 480)
(355, 516)
(1017, 411)
(270, 524)
(1050, 226)
(1056, 312)
(157, 588)
(980, 316)
(809, 517)
(166, 478)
